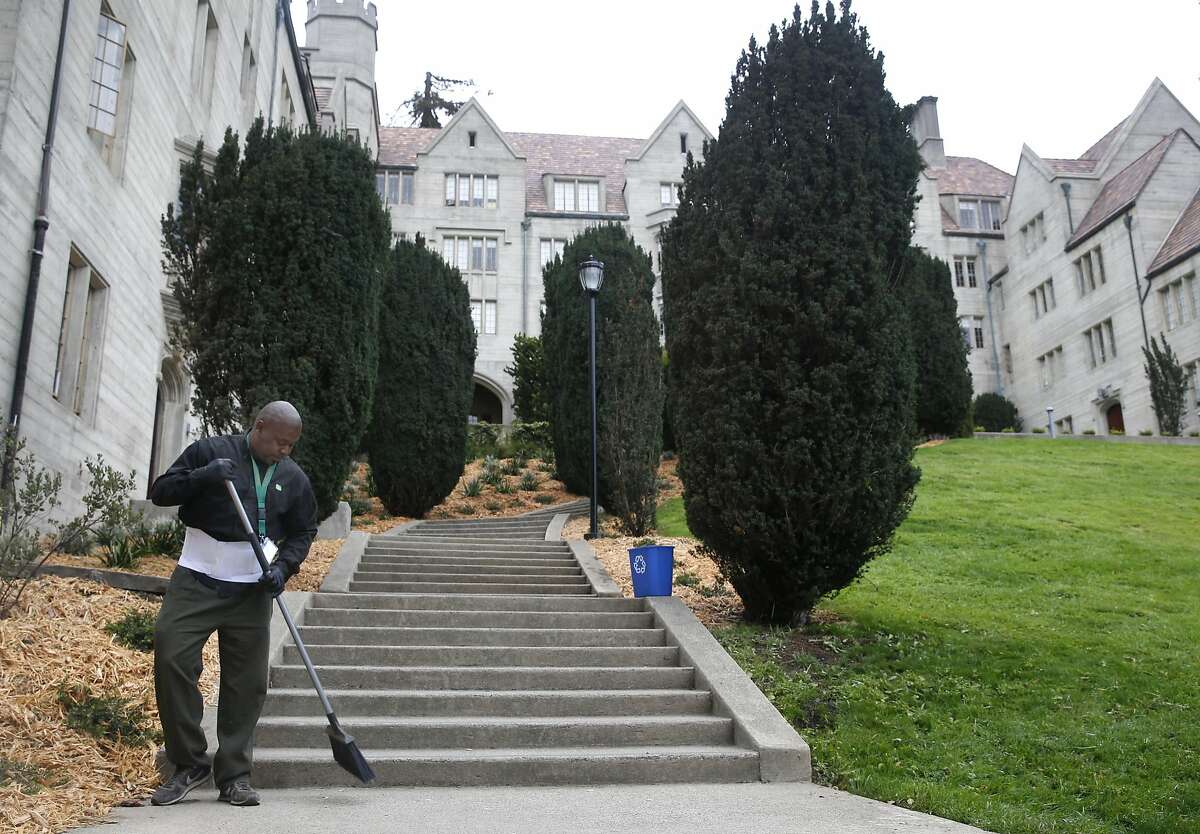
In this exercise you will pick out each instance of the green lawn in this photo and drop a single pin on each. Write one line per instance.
(1026, 659)
(671, 519)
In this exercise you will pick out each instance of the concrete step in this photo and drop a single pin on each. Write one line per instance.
(290, 767)
(547, 561)
(488, 733)
(479, 527)
(475, 602)
(516, 534)
(425, 636)
(474, 619)
(510, 578)
(524, 569)
(358, 586)
(485, 656)
(436, 544)
(465, 703)
(475, 523)
(487, 677)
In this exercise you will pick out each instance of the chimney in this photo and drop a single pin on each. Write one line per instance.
(926, 133)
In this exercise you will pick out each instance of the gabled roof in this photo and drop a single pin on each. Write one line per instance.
(399, 146)
(1183, 239)
(1097, 150)
(658, 131)
(596, 156)
(967, 175)
(1120, 192)
(471, 105)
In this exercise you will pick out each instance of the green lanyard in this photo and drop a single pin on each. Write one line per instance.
(261, 485)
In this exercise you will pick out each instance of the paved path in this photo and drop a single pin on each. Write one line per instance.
(753, 808)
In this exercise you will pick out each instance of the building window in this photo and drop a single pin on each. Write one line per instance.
(107, 67)
(489, 317)
(249, 81)
(1191, 372)
(1033, 233)
(1065, 426)
(1089, 272)
(979, 214)
(1178, 302)
(471, 254)
(204, 52)
(1043, 298)
(1100, 343)
(1008, 366)
(80, 337)
(551, 248)
(972, 331)
(1050, 366)
(576, 195)
(683, 143)
(406, 187)
(964, 271)
(395, 187)
(668, 193)
(477, 190)
(471, 138)
(978, 328)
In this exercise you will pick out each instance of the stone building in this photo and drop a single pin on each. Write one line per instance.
(501, 205)
(140, 84)
(1102, 255)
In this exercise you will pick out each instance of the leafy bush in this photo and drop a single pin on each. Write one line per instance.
(544, 498)
(1008, 430)
(472, 488)
(504, 487)
(511, 467)
(531, 399)
(491, 473)
(482, 440)
(548, 468)
(1194, 434)
(108, 717)
(135, 630)
(1168, 386)
(1117, 432)
(78, 546)
(417, 440)
(529, 483)
(532, 440)
(995, 413)
(1089, 431)
(167, 538)
(1038, 430)
(359, 506)
(1145, 433)
(687, 579)
(123, 554)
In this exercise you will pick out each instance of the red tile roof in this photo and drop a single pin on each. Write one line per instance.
(399, 145)
(1071, 166)
(1183, 239)
(1121, 191)
(967, 175)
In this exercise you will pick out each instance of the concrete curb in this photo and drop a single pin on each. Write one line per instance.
(1105, 438)
(140, 582)
(343, 567)
(402, 528)
(554, 531)
(783, 755)
(596, 575)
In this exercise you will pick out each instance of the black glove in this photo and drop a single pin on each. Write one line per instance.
(273, 579)
(221, 469)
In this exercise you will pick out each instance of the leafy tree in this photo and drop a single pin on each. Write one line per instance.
(277, 258)
(943, 381)
(791, 366)
(528, 371)
(1168, 386)
(418, 434)
(995, 413)
(428, 102)
(628, 380)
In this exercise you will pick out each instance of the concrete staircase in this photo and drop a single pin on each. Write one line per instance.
(477, 653)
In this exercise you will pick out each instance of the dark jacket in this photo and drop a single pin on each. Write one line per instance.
(291, 505)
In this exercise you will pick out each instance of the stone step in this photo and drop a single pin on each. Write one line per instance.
(474, 619)
(358, 586)
(487, 677)
(426, 636)
(512, 578)
(488, 733)
(513, 559)
(290, 767)
(478, 528)
(526, 569)
(474, 523)
(436, 544)
(466, 703)
(485, 656)
(475, 602)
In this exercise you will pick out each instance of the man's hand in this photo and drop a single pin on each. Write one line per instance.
(221, 469)
(273, 579)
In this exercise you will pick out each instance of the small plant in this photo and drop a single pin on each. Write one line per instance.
(980, 428)
(1117, 432)
(465, 509)
(1145, 433)
(1008, 430)
(1089, 431)
(491, 471)
(473, 488)
(359, 506)
(687, 579)
(717, 589)
(529, 482)
(543, 498)
(546, 467)
(167, 538)
(135, 630)
(504, 487)
(80, 545)
(493, 506)
(25, 777)
(644, 543)
(511, 467)
(123, 553)
(108, 717)
(1194, 434)
(1038, 430)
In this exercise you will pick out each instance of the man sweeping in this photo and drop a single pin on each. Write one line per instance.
(219, 586)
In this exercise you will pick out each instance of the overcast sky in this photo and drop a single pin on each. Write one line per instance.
(1055, 74)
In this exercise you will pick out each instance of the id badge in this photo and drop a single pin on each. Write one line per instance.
(269, 548)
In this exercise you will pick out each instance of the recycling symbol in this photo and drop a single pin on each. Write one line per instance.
(639, 564)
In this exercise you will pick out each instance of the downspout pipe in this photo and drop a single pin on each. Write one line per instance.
(274, 62)
(981, 245)
(1066, 190)
(525, 224)
(41, 222)
(1137, 282)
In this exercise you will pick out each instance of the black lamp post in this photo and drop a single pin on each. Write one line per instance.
(591, 277)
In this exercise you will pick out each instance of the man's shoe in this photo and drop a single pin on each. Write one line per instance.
(238, 792)
(185, 780)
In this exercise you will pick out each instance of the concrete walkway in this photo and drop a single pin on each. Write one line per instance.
(754, 808)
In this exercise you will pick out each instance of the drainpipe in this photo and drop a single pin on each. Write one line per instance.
(525, 225)
(981, 245)
(1137, 282)
(274, 61)
(41, 223)
(1066, 189)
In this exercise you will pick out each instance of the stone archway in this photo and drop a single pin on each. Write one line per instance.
(489, 402)
(170, 412)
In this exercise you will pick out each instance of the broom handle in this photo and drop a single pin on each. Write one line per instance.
(287, 618)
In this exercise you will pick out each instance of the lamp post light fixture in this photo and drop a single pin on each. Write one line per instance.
(1050, 420)
(591, 278)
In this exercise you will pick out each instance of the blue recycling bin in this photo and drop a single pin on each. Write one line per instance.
(653, 569)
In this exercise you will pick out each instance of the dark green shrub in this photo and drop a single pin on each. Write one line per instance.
(1168, 386)
(135, 630)
(472, 488)
(109, 717)
(493, 506)
(791, 370)
(504, 487)
(532, 440)
(279, 255)
(418, 434)
(167, 538)
(482, 440)
(529, 483)
(668, 433)
(123, 553)
(687, 579)
(512, 466)
(528, 370)
(359, 506)
(543, 498)
(629, 374)
(995, 413)
(78, 545)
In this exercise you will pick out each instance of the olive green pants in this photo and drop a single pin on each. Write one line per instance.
(191, 612)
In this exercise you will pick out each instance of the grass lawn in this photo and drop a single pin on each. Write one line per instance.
(671, 520)
(1026, 659)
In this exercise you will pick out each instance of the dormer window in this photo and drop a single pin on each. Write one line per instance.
(471, 138)
(683, 146)
(576, 195)
(979, 214)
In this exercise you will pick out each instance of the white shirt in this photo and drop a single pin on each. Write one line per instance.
(227, 561)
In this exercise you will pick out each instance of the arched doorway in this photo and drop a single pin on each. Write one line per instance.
(486, 406)
(1114, 418)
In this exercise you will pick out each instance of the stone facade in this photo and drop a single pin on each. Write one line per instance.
(102, 377)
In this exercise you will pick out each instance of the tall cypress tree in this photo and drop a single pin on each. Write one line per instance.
(943, 380)
(418, 434)
(528, 371)
(1168, 386)
(629, 374)
(277, 259)
(791, 365)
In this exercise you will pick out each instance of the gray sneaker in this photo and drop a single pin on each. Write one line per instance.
(238, 792)
(185, 780)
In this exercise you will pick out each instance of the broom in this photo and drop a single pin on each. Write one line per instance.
(345, 749)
